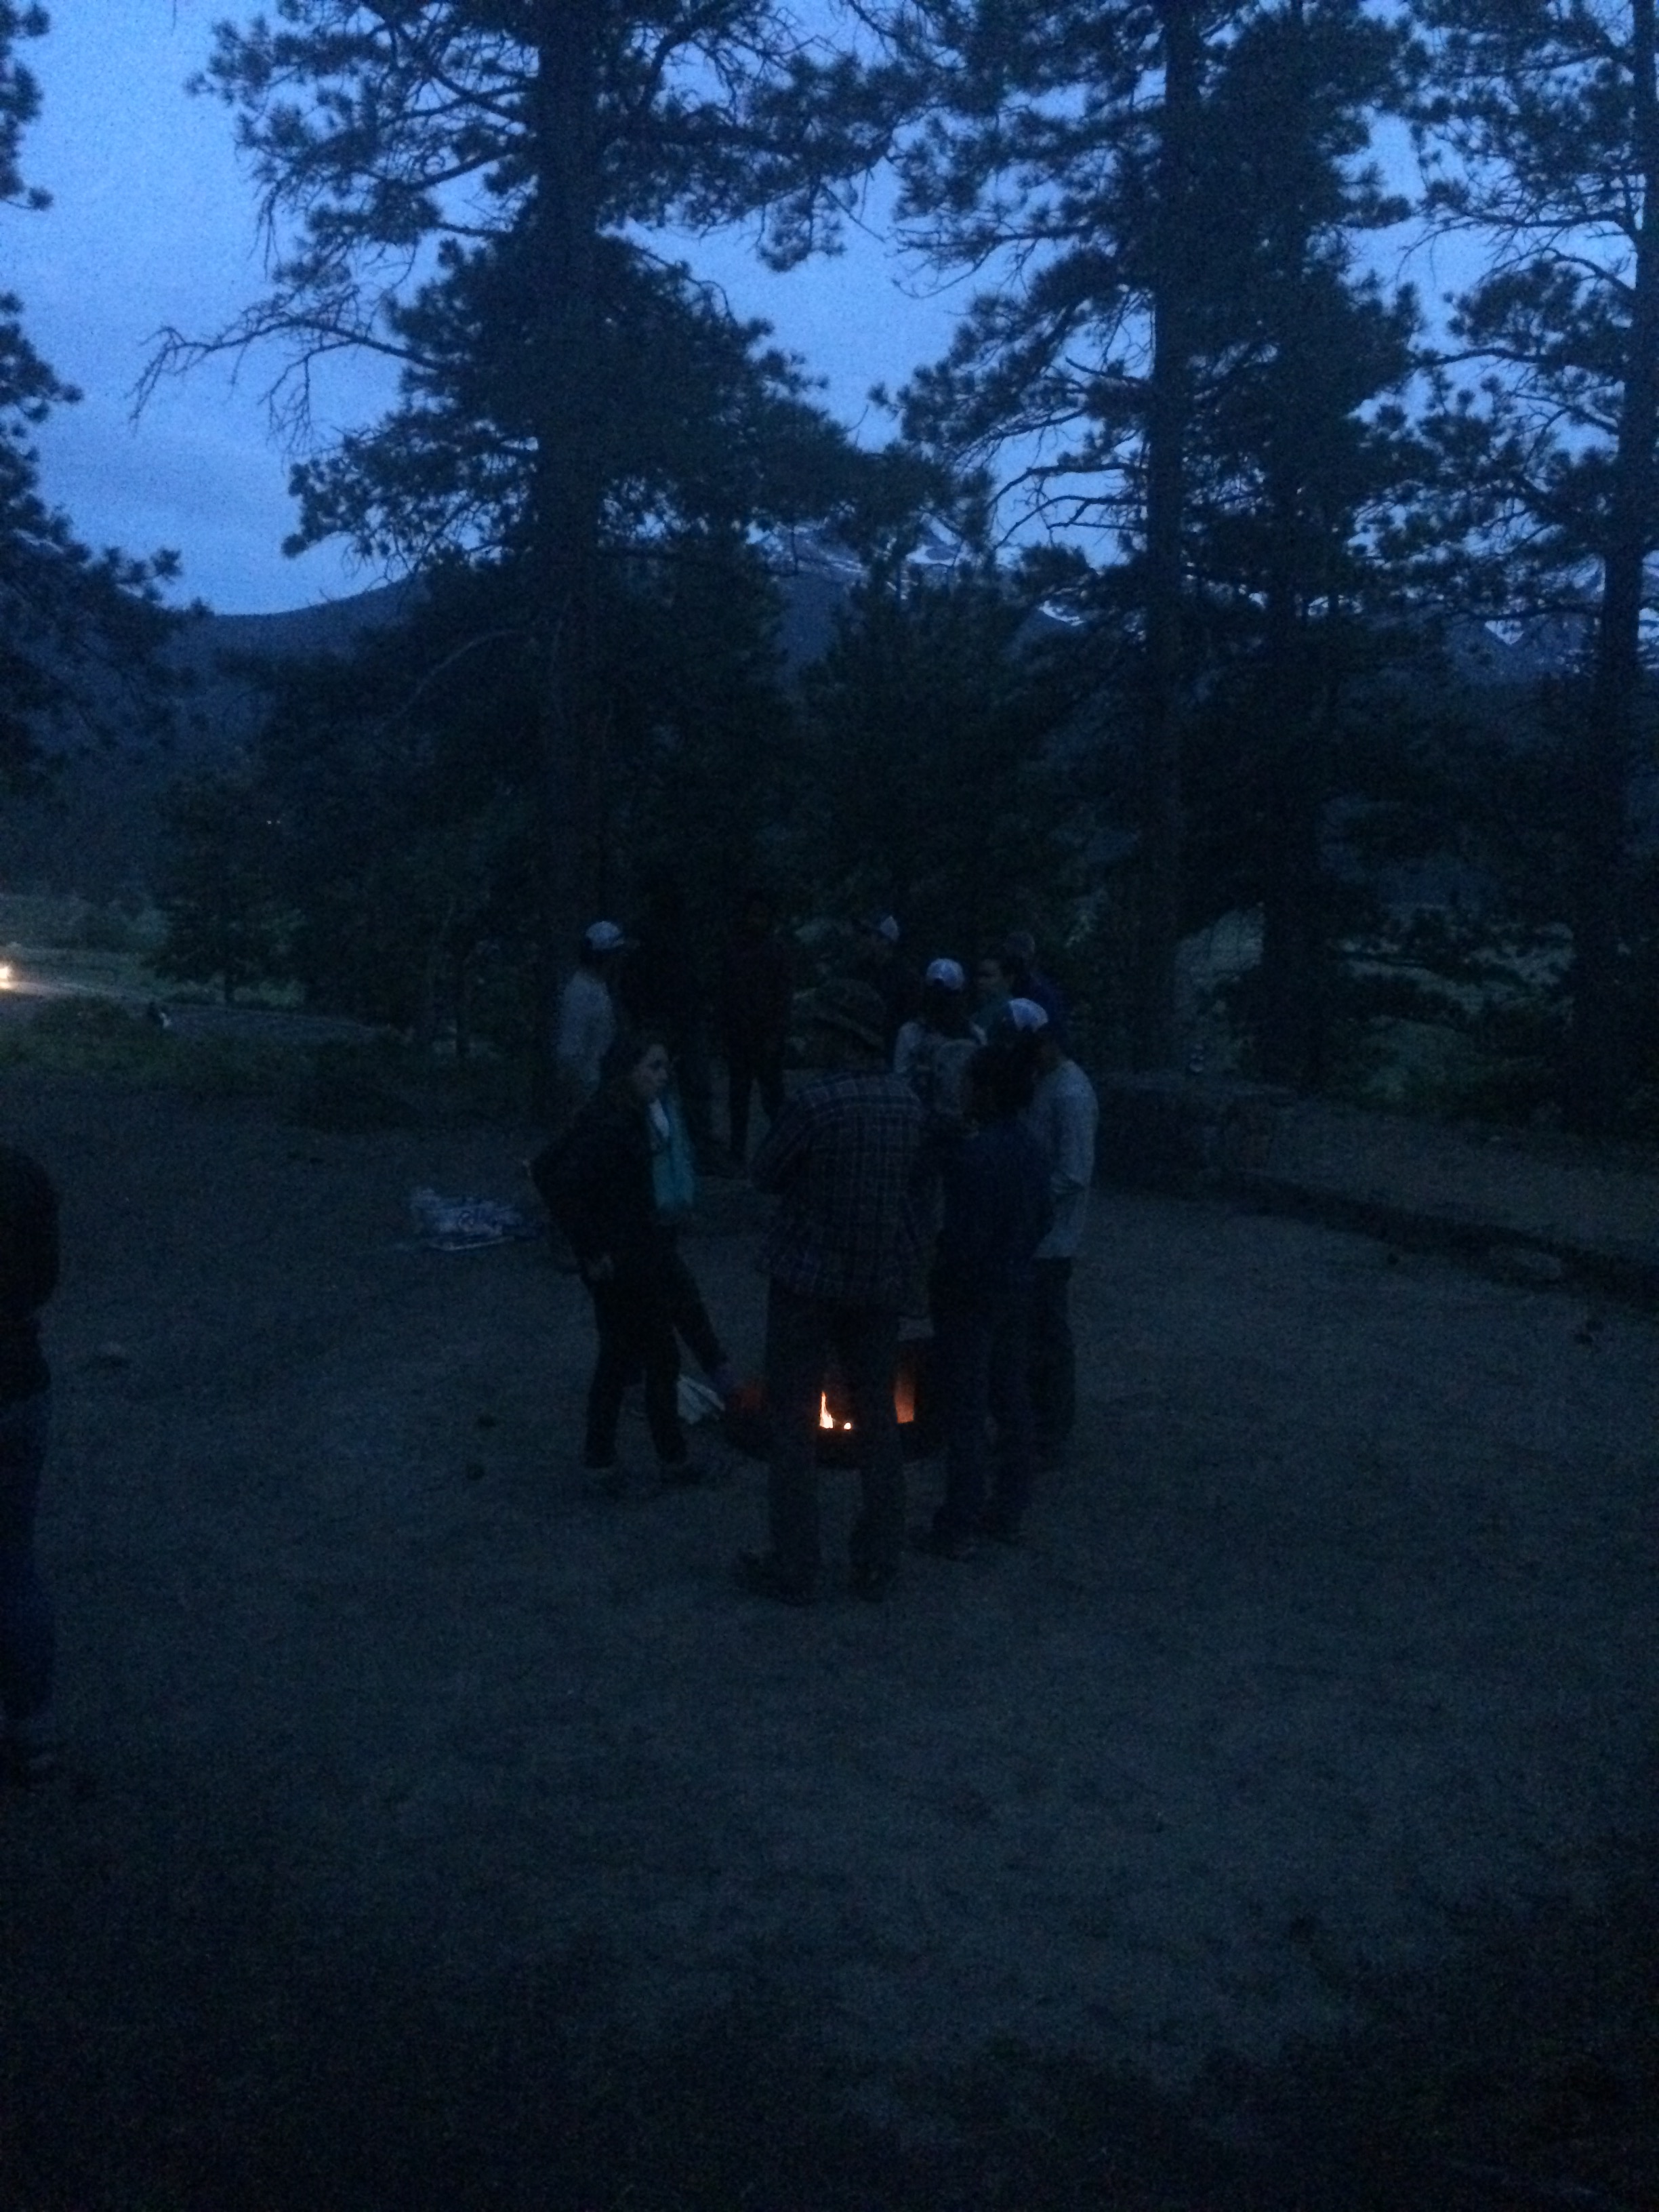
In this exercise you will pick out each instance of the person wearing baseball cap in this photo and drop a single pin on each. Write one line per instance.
(587, 1012)
(842, 1257)
(886, 968)
(933, 1050)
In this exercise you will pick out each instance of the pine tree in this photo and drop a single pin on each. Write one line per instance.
(926, 751)
(1542, 135)
(77, 630)
(466, 185)
(1057, 155)
(1300, 456)
(1125, 180)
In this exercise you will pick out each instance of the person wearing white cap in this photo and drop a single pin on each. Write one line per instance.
(881, 963)
(934, 1049)
(587, 1013)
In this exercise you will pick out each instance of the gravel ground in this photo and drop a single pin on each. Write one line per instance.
(434, 1833)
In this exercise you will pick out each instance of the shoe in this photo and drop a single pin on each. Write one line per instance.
(759, 1574)
(943, 1543)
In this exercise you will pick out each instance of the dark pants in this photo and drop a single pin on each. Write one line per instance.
(689, 1314)
(750, 1062)
(802, 1336)
(634, 1315)
(694, 1077)
(983, 1354)
(26, 1620)
(1054, 1355)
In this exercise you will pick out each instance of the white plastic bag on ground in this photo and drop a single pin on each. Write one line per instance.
(698, 1402)
(466, 1224)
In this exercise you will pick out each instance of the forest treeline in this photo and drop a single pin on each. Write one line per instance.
(1228, 499)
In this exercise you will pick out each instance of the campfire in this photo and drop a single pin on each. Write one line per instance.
(838, 1418)
(746, 1427)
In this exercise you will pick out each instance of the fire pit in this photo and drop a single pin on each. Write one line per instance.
(746, 1425)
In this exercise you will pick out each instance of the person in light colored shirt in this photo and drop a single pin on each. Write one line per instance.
(587, 1013)
(1063, 1117)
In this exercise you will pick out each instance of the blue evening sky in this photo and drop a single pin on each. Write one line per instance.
(153, 224)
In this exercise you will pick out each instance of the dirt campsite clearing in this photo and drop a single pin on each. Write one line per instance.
(434, 1832)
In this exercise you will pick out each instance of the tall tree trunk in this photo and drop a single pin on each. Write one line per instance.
(1597, 1067)
(1291, 908)
(568, 477)
(1154, 1042)
(1293, 917)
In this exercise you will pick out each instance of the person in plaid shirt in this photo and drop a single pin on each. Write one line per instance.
(842, 1257)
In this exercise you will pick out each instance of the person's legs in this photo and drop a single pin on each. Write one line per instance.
(27, 1630)
(689, 1315)
(866, 1344)
(660, 1351)
(740, 1081)
(768, 1075)
(1008, 1379)
(963, 1339)
(797, 1342)
(695, 1083)
(1053, 1367)
(617, 1356)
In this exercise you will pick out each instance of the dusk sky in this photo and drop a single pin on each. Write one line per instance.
(153, 223)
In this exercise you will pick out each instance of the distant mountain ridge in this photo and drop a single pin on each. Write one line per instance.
(95, 834)
(298, 633)
(98, 834)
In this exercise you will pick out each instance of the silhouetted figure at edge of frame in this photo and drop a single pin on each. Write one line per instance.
(28, 1276)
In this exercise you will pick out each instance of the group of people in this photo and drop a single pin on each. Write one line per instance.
(938, 1155)
(936, 1152)
(650, 982)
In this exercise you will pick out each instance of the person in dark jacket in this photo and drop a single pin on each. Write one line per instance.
(28, 1276)
(756, 987)
(1027, 980)
(841, 1258)
(598, 1183)
(997, 1211)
